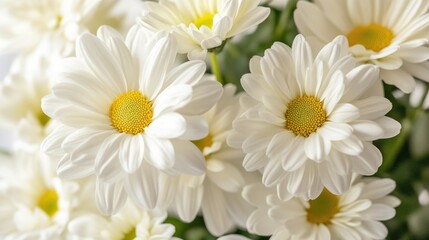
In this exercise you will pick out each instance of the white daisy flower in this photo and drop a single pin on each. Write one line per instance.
(356, 214)
(34, 203)
(131, 111)
(217, 193)
(202, 25)
(54, 24)
(129, 223)
(313, 124)
(391, 34)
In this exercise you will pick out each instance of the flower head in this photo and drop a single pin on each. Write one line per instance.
(132, 112)
(356, 212)
(312, 124)
(392, 35)
(129, 223)
(202, 25)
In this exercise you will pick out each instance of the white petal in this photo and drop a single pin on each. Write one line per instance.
(196, 128)
(368, 162)
(316, 148)
(160, 152)
(351, 145)
(131, 152)
(67, 170)
(230, 179)
(154, 72)
(334, 182)
(142, 186)
(189, 201)
(110, 198)
(188, 158)
(215, 212)
(401, 79)
(167, 126)
(335, 131)
(373, 107)
(172, 98)
(107, 166)
(100, 61)
(367, 130)
(344, 112)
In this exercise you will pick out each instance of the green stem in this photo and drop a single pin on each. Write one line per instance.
(398, 142)
(396, 146)
(215, 67)
(285, 17)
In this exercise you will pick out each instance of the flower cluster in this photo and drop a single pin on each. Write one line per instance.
(134, 131)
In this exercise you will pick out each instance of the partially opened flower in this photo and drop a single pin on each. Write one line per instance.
(131, 110)
(128, 224)
(217, 194)
(312, 125)
(391, 34)
(202, 25)
(355, 214)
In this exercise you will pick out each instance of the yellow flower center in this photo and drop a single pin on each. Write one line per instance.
(323, 208)
(131, 113)
(48, 202)
(305, 115)
(203, 143)
(131, 235)
(43, 118)
(372, 36)
(204, 20)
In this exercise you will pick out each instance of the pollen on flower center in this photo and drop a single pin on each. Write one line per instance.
(304, 115)
(131, 113)
(203, 143)
(372, 36)
(204, 20)
(48, 202)
(130, 235)
(323, 208)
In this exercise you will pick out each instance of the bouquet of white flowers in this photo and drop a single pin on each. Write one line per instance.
(215, 119)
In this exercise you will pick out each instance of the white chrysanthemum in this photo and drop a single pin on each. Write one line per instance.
(53, 24)
(356, 214)
(34, 203)
(313, 124)
(217, 193)
(131, 111)
(128, 224)
(202, 25)
(391, 34)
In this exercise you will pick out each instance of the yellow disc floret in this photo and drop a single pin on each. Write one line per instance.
(131, 113)
(323, 208)
(204, 20)
(48, 202)
(372, 36)
(203, 143)
(131, 235)
(304, 115)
